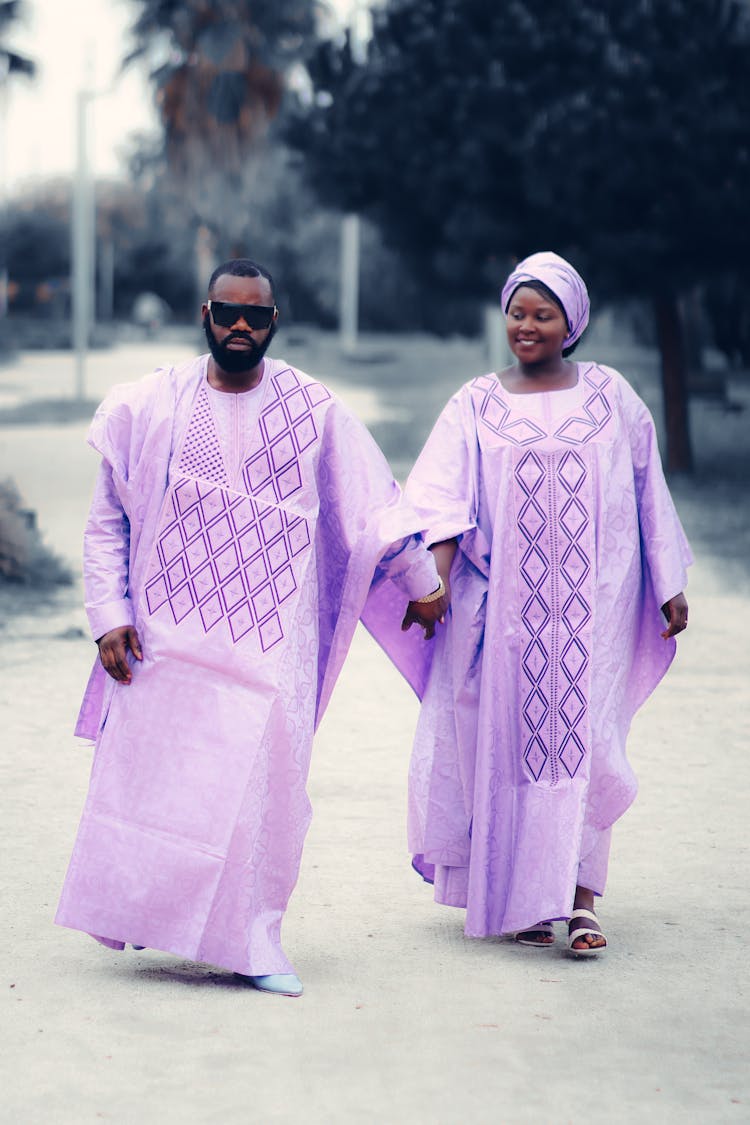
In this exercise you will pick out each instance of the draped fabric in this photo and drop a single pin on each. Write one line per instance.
(569, 544)
(243, 547)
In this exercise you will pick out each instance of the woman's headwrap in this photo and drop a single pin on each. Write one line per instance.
(560, 277)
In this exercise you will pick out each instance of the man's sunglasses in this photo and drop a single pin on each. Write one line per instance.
(225, 314)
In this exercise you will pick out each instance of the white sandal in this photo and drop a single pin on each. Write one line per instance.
(539, 928)
(577, 934)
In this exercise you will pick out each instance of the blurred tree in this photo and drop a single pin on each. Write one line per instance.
(618, 134)
(10, 61)
(219, 68)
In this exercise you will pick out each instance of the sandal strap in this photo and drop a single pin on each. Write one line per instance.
(584, 914)
(581, 933)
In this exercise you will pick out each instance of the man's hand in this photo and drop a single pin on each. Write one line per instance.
(676, 613)
(426, 615)
(113, 650)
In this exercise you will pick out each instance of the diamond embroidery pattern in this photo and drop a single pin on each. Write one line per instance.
(229, 557)
(553, 524)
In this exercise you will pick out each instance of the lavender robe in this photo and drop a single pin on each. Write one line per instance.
(568, 545)
(245, 568)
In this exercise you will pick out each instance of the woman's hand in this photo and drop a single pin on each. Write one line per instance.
(113, 650)
(676, 613)
(426, 615)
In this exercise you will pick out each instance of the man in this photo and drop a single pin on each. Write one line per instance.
(241, 519)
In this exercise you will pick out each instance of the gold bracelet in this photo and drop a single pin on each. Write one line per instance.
(433, 597)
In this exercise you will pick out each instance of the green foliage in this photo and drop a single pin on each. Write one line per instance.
(475, 132)
(24, 558)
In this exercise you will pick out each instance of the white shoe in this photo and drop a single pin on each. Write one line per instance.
(282, 984)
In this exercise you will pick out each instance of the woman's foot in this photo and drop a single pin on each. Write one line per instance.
(584, 933)
(542, 935)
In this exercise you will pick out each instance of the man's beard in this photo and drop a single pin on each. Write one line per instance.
(235, 362)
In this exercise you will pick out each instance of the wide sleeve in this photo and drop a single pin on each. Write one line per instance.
(443, 485)
(663, 541)
(106, 552)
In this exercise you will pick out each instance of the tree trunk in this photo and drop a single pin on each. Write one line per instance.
(674, 384)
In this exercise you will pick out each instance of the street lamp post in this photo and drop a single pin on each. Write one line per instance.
(82, 248)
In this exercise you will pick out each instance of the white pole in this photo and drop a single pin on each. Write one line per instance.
(4, 71)
(82, 251)
(499, 354)
(349, 295)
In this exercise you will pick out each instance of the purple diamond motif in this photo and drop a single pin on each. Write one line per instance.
(271, 524)
(289, 481)
(575, 613)
(196, 553)
(170, 544)
(531, 519)
(258, 471)
(572, 471)
(598, 407)
(574, 565)
(536, 613)
(305, 433)
(240, 621)
(299, 536)
(264, 602)
(256, 573)
(536, 756)
(177, 574)
(242, 515)
(219, 534)
(204, 582)
(233, 591)
(574, 659)
(316, 393)
(192, 524)
(296, 405)
(522, 432)
(226, 562)
(530, 473)
(534, 567)
(186, 494)
(573, 706)
(181, 603)
(494, 412)
(535, 709)
(286, 381)
(573, 518)
(249, 543)
(284, 584)
(156, 594)
(535, 661)
(274, 421)
(270, 632)
(571, 753)
(282, 452)
(278, 554)
(211, 612)
(212, 505)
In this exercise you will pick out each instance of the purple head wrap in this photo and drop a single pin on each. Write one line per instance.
(559, 277)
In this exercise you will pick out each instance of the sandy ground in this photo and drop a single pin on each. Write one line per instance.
(403, 1019)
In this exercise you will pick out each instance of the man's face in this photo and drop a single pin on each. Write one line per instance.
(239, 348)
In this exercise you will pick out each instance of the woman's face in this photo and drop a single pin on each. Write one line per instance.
(536, 326)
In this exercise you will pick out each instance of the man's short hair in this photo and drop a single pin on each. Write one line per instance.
(241, 267)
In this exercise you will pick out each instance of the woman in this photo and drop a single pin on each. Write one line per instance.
(552, 526)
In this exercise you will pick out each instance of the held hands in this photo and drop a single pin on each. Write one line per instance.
(113, 650)
(676, 613)
(427, 614)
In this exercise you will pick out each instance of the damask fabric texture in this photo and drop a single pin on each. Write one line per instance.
(243, 548)
(568, 545)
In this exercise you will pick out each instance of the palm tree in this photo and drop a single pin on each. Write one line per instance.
(10, 61)
(219, 69)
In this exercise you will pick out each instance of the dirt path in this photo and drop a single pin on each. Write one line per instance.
(403, 1019)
